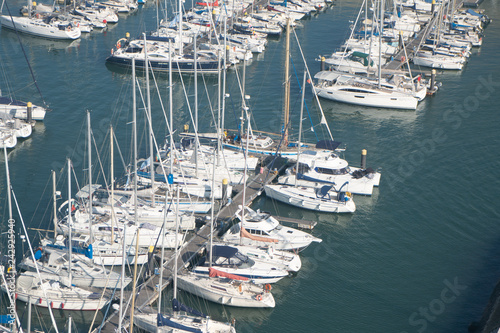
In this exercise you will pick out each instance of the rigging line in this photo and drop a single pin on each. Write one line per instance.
(119, 151)
(305, 103)
(323, 118)
(25, 56)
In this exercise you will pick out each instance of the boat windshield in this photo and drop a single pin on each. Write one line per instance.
(328, 171)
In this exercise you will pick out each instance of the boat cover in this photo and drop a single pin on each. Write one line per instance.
(165, 321)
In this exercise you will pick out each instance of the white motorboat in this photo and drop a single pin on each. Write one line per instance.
(318, 168)
(261, 229)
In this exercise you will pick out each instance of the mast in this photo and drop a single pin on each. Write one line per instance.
(243, 103)
(170, 106)
(11, 270)
(54, 202)
(176, 244)
(196, 105)
(70, 224)
(244, 177)
(151, 150)
(90, 177)
(134, 167)
(381, 18)
(286, 110)
(111, 150)
(300, 124)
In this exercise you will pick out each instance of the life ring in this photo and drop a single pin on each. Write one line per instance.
(268, 287)
(259, 297)
(118, 45)
(37, 15)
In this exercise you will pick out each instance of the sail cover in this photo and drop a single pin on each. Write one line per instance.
(216, 273)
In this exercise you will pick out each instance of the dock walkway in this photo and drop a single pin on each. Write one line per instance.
(149, 280)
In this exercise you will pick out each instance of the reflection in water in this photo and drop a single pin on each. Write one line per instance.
(9, 39)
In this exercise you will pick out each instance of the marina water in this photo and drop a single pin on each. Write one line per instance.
(421, 255)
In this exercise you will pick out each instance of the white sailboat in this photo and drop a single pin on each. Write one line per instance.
(42, 26)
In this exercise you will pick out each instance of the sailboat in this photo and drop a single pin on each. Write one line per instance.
(352, 89)
(45, 291)
(42, 26)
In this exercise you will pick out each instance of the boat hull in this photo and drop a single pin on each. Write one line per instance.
(38, 28)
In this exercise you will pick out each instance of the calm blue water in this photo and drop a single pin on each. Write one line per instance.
(421, 255)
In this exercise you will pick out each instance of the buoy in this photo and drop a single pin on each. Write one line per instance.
(62, 305)
(322, 66)
(40, 300)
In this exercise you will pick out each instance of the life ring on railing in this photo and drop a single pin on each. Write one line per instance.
(259, 297)
(118, 45)
(268, 287)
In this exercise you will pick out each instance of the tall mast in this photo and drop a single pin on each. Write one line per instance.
(134, 168)
(170, 106)
(286, 110)
(151, 150)
(300, 124)
(90, 176)
(11, 270)
(111, 150)
(243, 103)
(196, 104)
(381, 18)
(54, 202)
(70, 223)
